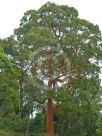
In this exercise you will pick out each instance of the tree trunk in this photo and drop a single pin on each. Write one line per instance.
(50, 123)
(21, 100)
(21, 94)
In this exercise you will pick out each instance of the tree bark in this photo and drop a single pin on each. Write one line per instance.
(21, 94)
(50, 120)
(50, 124)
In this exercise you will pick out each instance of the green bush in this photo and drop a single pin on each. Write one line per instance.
(20, 125)
(5, 122)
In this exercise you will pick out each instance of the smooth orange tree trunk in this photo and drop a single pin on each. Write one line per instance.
(50, 120)
(50, 124)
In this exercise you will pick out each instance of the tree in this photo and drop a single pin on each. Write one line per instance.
(58, 26)
(8, 86)
(18, 55)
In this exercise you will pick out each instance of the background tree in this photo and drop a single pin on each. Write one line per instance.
(8, 86)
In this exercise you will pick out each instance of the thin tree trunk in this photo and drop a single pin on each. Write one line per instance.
(21, 95)
(21, 100)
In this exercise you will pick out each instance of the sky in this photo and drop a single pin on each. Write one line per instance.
(11, 11)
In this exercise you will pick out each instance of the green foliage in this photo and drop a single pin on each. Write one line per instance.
(37, 125)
